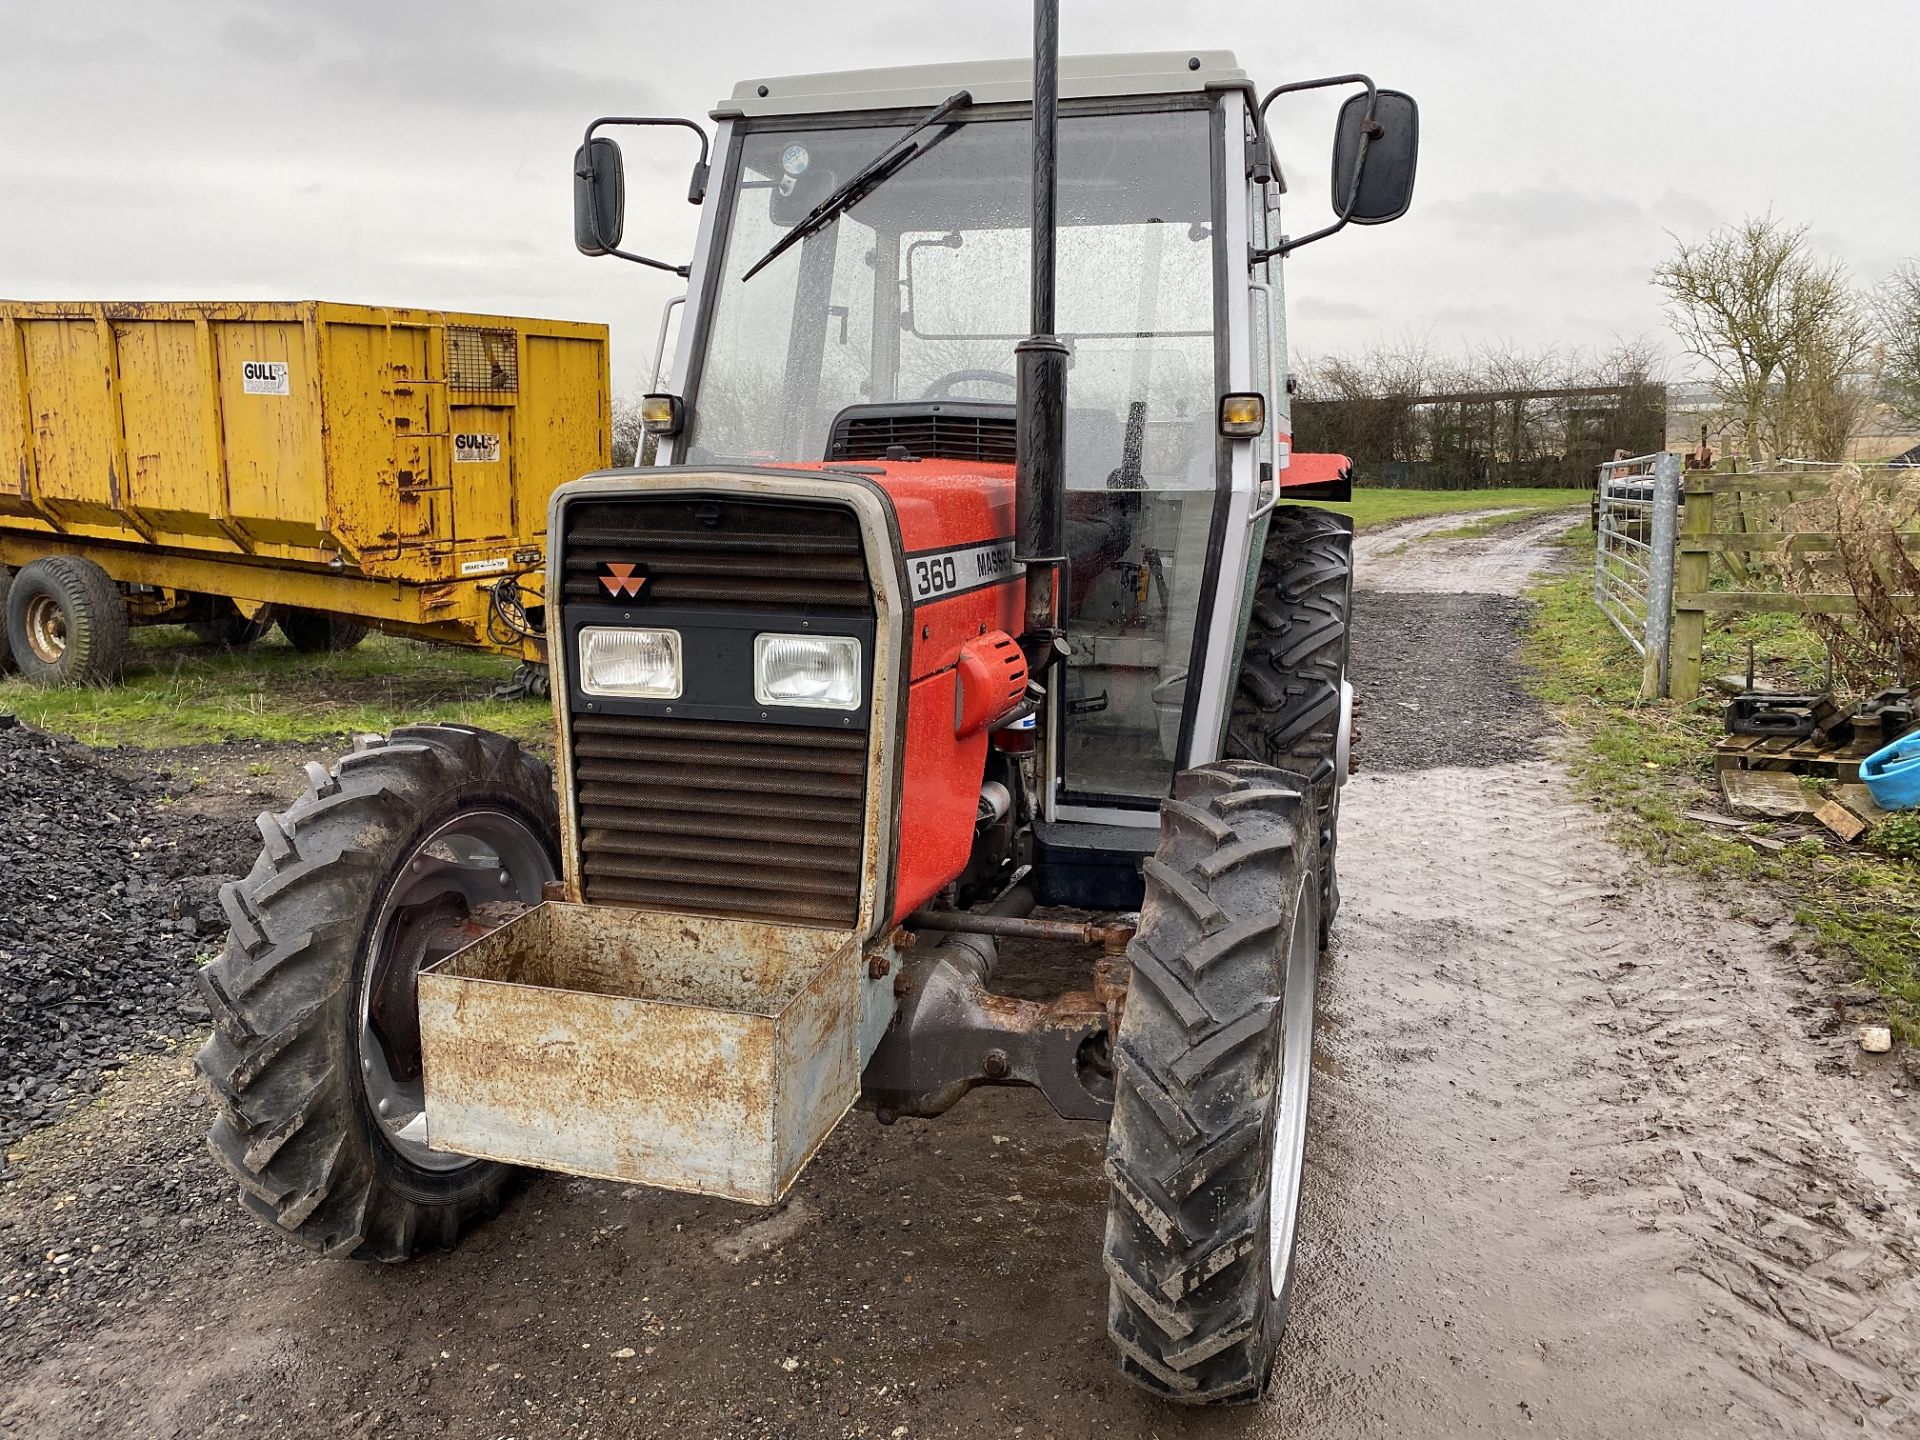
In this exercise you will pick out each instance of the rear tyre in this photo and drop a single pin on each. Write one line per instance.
(1292, 705)
(66, 622)
(1211, 1070)
(315, 632)
(314, 1061)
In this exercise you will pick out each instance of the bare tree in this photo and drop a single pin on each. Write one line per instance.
(631, 443)
(1897, 308)
(1830, 387)
(1782, 331)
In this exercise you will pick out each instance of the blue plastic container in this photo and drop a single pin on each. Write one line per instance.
(1892, 774)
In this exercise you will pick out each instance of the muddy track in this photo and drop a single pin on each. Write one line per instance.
(1401, 559)
(1588, 1160)
(1651, 1191)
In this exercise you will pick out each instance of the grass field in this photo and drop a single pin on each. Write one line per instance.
(179, 692)
(1371, 508)
(1649, 763)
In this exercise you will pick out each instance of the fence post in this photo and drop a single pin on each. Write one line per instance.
(1690, 580)
(1600, 540)
(1655, 671)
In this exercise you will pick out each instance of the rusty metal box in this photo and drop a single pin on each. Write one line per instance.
(702, 1055)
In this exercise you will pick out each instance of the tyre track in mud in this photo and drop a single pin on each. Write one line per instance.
(1586, 1161)
(1696, 1208)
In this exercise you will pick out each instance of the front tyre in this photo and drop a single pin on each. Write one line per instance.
(1211, 1069)
(381, 868)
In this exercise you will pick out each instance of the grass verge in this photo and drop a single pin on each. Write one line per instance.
(1371, 508)
(179, 692)
(1648, 763)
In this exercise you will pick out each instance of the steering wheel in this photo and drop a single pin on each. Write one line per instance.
(942, 388)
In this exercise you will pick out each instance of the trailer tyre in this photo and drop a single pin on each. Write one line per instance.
(315, 632)
(379, 869)
(1291, 707)
(7, 667)
(233, 631)
(1211, 1069)
(66, 622)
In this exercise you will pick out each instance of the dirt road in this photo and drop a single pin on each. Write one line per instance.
(1402, 559)
(1589, 1162)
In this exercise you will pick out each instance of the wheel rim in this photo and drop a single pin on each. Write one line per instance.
(437, 903)
(1343, 743)
(1295, 1079)
(46, 627)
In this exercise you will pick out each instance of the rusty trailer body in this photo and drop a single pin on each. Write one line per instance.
(381, 465)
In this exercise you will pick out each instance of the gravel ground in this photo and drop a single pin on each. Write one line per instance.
(1436, 676)
(112, 896)
(1436, 682)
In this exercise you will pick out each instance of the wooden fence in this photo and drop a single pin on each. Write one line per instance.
(1710, 497)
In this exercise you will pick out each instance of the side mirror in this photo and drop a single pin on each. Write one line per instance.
(1376, 186)
(599, 197)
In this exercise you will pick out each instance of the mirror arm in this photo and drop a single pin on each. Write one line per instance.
(696, 186)
(1287, 245)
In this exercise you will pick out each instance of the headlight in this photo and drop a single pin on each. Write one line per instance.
(821, 671)
(639, 664)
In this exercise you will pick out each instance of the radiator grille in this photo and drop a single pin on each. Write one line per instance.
(757, 821)
(723, 554)
(713, 817)
(948, 430)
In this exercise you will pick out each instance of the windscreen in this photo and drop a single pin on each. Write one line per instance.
(920, 292)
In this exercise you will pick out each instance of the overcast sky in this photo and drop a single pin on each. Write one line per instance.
(410, 152)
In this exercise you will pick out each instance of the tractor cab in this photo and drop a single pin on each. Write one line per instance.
(907, 310)
(973, 597)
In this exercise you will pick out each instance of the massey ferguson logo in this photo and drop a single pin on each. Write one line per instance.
(622, 579)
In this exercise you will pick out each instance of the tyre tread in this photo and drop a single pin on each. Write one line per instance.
(289, 1125)
(1188, 1155)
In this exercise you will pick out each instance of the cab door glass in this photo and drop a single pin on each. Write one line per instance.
(920, 292)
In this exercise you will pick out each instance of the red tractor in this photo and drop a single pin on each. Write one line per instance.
(972, 580)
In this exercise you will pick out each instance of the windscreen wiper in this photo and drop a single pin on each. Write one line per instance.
(875, 173)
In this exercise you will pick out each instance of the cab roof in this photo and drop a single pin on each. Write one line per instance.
(920, 87)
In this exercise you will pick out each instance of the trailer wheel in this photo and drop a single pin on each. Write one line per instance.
(1292, 708)
(232, 631)
(314, 1059)
(1211, 1071)
(7, 667)
(66, 622)
(314, 632)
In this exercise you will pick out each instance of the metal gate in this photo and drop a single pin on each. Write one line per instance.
(1636, 525)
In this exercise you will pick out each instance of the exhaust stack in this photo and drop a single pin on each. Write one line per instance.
(1041, 368)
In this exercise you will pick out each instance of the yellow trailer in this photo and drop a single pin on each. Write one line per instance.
(231, 465)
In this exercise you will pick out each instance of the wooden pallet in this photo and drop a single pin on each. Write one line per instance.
(1792, 752)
